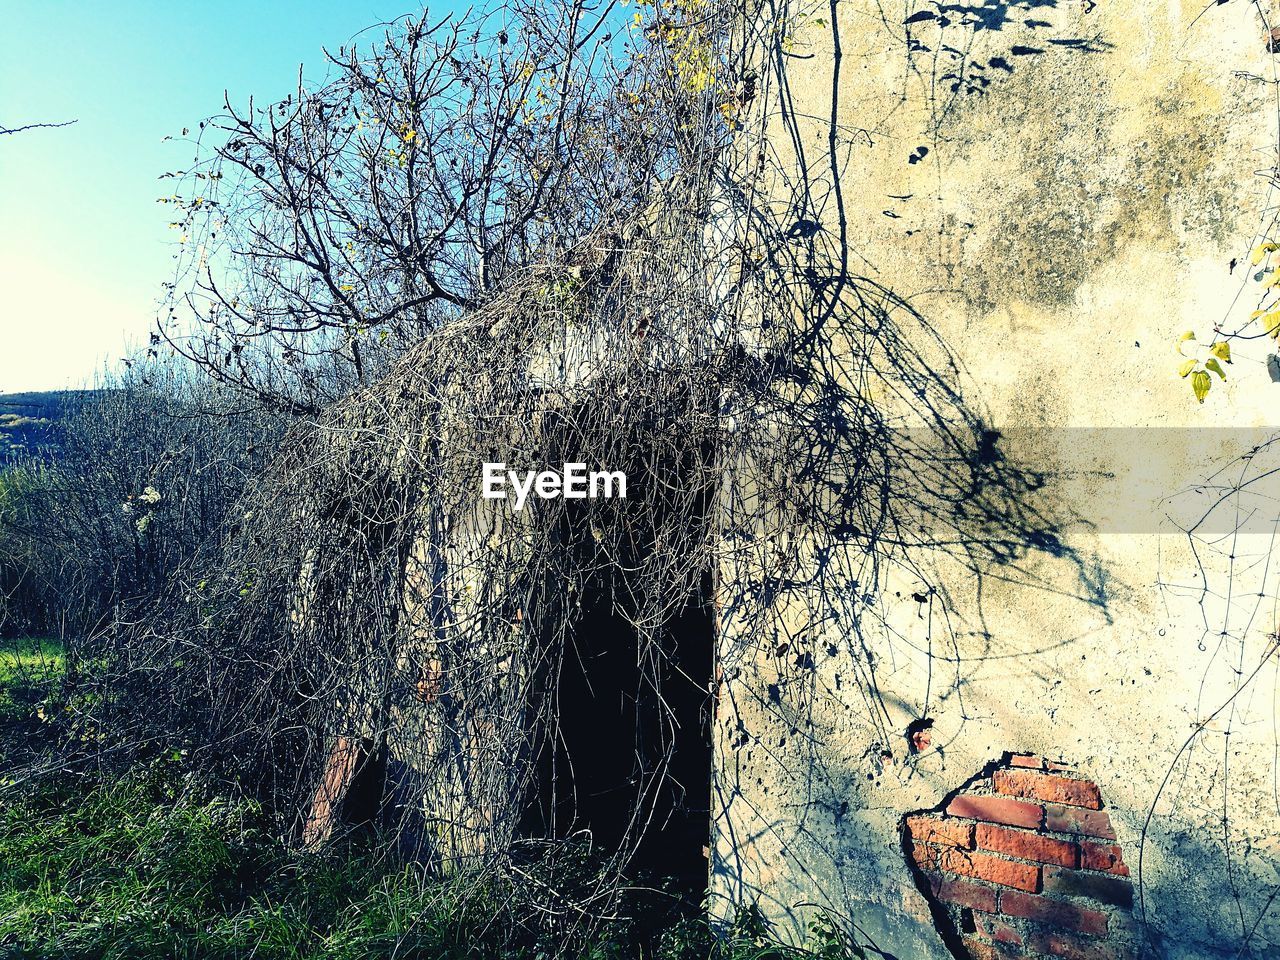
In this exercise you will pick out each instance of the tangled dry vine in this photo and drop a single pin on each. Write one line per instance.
(660, 300)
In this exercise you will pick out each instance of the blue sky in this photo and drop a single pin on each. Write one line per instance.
(84, 247)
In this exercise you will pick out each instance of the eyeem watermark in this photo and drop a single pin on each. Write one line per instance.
(572, 483)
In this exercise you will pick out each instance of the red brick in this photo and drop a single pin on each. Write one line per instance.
(1104, 857)
(1094, 823)
(925, 855)
(986, 950)
(1072, 948)
(1027, 846)
(1053, 912)
(963, 894)
(1018, 813)
(993, 929)
(1047, 786)
(1075, 883)
(1026, 760)
(979, 866)
(955, 833)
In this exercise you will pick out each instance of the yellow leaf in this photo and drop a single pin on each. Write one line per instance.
(1186, 368)
(1262, 250)
(1200, 384)
(1272, 280)
(1186, 336)
(1216, 367)
(1221, 350)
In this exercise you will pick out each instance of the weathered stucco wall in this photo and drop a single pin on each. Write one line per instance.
(1060, 190)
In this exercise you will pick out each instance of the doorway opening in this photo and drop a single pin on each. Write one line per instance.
(626, 755)
(630, 759)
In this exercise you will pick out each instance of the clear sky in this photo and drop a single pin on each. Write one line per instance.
(84, 247)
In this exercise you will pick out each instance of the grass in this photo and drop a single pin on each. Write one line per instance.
(28, 668)
(157, 864)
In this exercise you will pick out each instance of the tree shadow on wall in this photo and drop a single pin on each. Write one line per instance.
(952, 43)
(875, 476)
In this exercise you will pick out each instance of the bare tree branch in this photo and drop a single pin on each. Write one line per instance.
(36, 126)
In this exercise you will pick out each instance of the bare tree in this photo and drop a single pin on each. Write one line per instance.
(326, 233)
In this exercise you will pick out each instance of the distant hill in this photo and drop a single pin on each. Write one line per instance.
(29, 422)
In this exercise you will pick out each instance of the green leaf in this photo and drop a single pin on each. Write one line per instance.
(1216, 367)
(1186, 368)
(1200, 384)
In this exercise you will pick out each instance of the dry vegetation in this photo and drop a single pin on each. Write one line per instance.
(499, 240)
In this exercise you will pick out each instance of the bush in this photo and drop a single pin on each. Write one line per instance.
(141, 478)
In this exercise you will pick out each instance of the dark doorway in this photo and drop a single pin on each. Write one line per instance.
(627, 756)
(630, 761)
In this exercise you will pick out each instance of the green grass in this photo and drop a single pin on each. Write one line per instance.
(158, 864)
(25, 660)
(147, 867)
(28, 671)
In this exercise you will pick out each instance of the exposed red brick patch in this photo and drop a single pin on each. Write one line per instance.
(1105, 857)
(1055, 913)
(979, 866)
(1023, 863)
(339, 771)
(920, 734)
(987, 950)
(1049, 787)
(1078, 883)
(1094, 823)
(1070, 947)
(990, 928)
(1026, 845)
(956, 833)
(1017, 813)
(964, 894)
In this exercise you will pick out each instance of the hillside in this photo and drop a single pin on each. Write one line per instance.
(29, 422)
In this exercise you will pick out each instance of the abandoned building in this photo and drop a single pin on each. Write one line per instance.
(938, 603)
